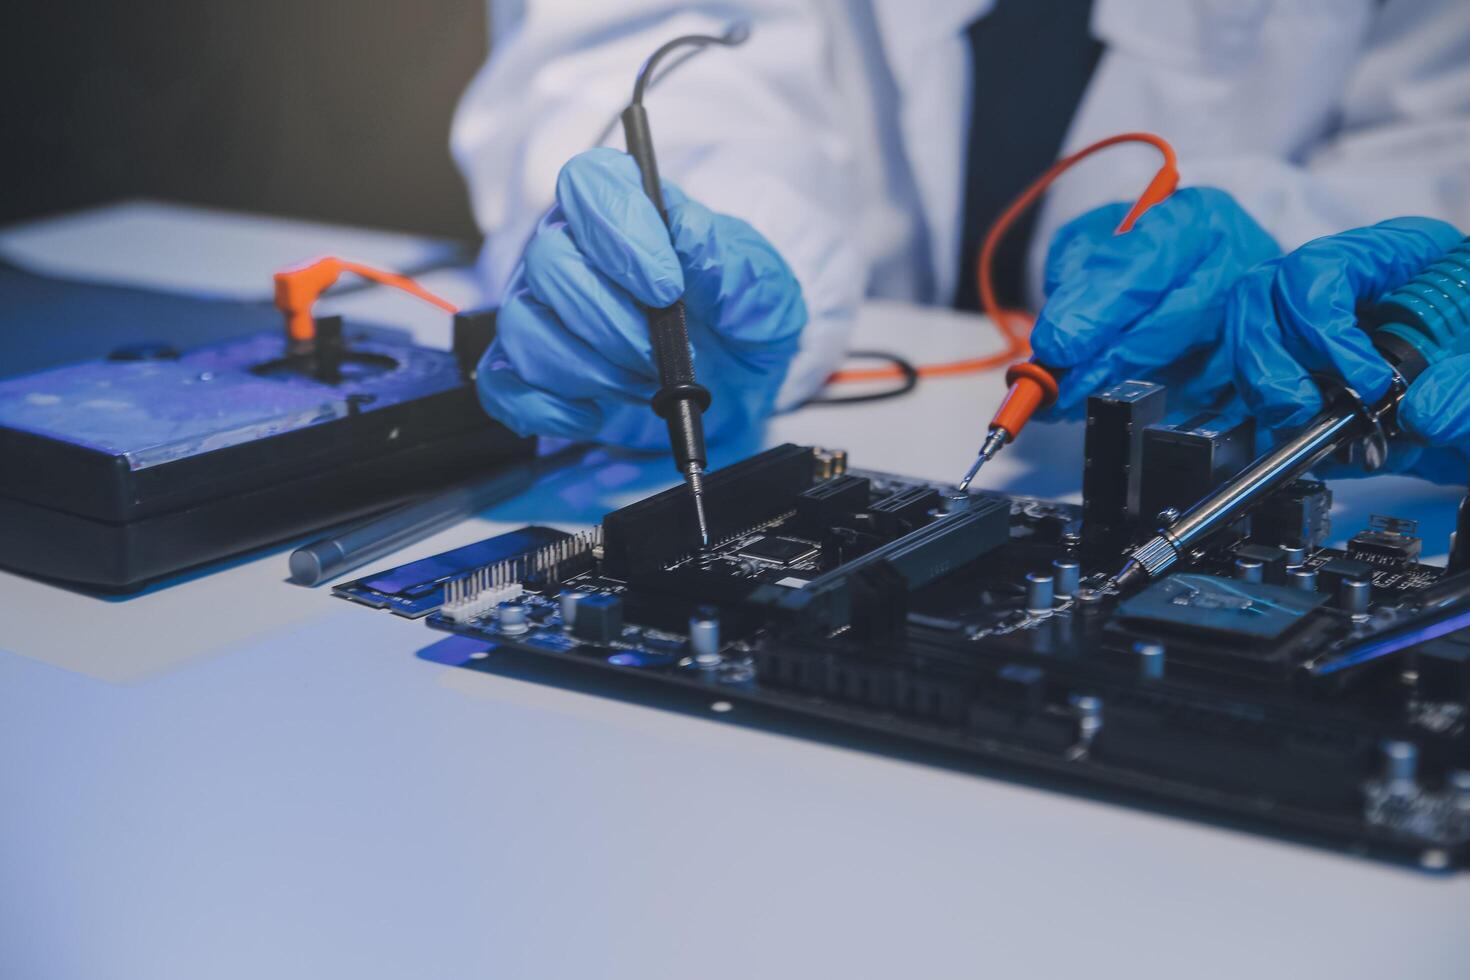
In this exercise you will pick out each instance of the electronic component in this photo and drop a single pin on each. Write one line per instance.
(654, 532)
(1354, 596)
(1249, 569)
(704, 635)
(1039, 592)
(1387, 540)
(567, 606)
(1259, 684)
(1231, 608)
(831, 502)
(1112, 457)
(599, 618)
(778, 550)
(901, 512)
(1183, 462)
(1066, 575)
(1272, 561)
(1334, 571)
(1152, 659)
(1297, 515)
(877, 583)
(417, 589)
(1303, 578)
(512, 618)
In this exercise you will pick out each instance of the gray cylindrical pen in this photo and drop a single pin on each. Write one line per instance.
(314, 563)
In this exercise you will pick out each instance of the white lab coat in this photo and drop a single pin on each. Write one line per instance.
(838, 129)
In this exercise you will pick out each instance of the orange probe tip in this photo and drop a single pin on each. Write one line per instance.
(1032, 388)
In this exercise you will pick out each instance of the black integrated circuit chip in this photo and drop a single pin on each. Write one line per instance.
(1223, 606)
(778, 550)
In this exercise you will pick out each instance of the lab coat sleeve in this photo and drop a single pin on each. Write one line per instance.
(1317, 117)
(753, 131)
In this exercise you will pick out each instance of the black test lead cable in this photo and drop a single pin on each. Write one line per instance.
(680, 400)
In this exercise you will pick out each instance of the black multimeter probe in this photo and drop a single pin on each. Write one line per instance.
(680, 400)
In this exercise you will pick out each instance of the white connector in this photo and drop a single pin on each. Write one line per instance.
(475, 595)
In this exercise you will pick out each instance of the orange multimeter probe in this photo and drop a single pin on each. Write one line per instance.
(1033, 386)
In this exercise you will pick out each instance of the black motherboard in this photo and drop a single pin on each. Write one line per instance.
(1272, 682)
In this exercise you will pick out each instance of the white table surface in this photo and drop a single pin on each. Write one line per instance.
(236, 777)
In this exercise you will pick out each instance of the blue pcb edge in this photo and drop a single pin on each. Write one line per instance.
(416, 589)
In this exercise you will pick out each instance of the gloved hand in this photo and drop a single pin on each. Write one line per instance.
(572, 355)
(1149, 303)
(1296, 315)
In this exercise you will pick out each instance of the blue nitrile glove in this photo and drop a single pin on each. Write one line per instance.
(1148, 304)
(1297, 315)
(572, 355)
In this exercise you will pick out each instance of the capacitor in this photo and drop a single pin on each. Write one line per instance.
(1150, 660)
(704, 636)
(568, 602)
(1459, 785)
(511, 618)
(1066, 574)
(1400, 766)
(1353, 595)
(1039, 594)
(1249, 569)
(1295, 554)
(1088, 711)
(1302, 578)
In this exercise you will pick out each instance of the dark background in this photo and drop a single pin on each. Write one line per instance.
(329, 109)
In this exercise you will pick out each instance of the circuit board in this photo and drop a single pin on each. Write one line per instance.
(1236, 688)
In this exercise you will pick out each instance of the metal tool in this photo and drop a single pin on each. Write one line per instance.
(1423, 321)
(680, 400)
(358, 544)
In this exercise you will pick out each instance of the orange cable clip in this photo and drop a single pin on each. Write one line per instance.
(298, 289)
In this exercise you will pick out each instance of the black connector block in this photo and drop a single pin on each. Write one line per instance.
(1182, 463)
(831, 503)
(1298, 515)
(1387, 540)
(856, 595)
(901, 512)
(656, 531)
(1116, 419)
